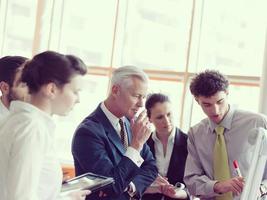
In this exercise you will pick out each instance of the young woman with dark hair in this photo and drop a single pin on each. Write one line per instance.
(29, 168)
(168, 145)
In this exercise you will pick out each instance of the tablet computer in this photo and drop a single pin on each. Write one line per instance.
(87, 181)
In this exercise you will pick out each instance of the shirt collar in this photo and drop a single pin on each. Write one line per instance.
(170, 138)
(3, 108)
(112, 118)
(226, 122)
(17, 106)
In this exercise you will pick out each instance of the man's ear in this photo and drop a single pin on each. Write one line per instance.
(115, 90)
(227, 92)
(4, 87)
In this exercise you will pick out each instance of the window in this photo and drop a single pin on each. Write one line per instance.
(156, 36)
(232, 37)
(87, 30)
(17, 24)
(170, 39)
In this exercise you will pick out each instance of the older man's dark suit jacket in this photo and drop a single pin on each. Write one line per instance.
(97, 148)
(177, 162)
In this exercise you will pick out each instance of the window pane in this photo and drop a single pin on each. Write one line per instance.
(87, 30)
(95, 90)
(156, 35)
(20, 21)
(188, 106)
(244, 97)
(233, 36)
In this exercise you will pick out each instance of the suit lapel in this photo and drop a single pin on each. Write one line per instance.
(178, 157)
(151, 144)
(109, 129)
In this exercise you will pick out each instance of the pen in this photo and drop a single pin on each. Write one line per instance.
(237, 168)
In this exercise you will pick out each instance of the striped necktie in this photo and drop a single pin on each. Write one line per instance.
(220, 161)
(123, 134)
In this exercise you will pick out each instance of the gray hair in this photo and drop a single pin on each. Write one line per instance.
(123, 74)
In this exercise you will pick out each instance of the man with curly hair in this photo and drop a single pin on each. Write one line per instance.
(215, 142)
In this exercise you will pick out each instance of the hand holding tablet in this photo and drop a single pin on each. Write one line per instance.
(88, 181)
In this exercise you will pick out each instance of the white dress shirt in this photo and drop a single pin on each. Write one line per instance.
(3, 110)
(29, 168)
(162, 160)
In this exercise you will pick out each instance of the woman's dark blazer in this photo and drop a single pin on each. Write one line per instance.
(177, 162)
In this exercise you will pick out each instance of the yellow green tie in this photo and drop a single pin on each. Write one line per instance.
(220, 161)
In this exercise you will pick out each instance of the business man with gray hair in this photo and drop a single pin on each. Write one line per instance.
(111, 140)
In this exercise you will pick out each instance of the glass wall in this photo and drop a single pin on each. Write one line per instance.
(17, 26)
(170, 39)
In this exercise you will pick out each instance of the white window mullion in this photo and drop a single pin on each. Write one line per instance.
(3, 16)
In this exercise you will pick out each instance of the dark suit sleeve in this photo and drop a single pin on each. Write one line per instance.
(147, 172)
(91, 154)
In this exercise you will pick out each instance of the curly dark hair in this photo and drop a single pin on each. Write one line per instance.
(208, 83)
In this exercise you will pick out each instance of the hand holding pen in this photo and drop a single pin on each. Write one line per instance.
(234, 185)
(236, 166)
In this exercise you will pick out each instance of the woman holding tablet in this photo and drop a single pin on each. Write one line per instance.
(29, 168)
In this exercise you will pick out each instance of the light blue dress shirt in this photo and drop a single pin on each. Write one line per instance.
(201, 138)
